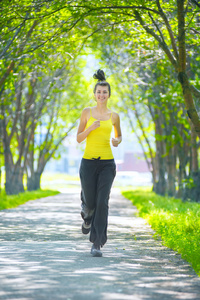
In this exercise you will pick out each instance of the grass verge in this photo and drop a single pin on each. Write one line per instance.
(177, 222)
(11, 201)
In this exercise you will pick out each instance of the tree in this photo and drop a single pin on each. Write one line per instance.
(154, 106)
(38, 99)
(24, 59)
(160, 20)
(58, 118)
(33, 30)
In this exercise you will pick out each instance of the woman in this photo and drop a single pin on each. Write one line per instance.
(97, 169)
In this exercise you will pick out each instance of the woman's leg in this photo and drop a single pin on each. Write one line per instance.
(88, 189)
(106, 175)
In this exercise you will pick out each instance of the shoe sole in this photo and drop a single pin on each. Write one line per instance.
(85, 230)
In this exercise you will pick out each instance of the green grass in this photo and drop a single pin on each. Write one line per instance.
(11, 201)
(177, 222)
(50, 183)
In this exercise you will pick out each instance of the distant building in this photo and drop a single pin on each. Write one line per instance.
(133, 162)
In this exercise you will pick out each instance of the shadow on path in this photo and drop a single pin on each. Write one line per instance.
(43, 255)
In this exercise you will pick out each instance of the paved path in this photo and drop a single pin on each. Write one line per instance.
(43, 255)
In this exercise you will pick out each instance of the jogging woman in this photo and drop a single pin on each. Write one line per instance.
(97, 169)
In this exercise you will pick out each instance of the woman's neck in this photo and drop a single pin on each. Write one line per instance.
(101, 108)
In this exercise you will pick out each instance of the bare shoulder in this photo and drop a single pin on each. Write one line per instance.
(115, 118)
(85, 113)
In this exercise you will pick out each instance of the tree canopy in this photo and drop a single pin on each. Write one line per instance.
(150, 49)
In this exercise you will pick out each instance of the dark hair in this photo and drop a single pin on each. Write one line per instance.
(100, 76)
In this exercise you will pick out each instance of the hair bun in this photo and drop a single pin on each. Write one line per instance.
(99, 75)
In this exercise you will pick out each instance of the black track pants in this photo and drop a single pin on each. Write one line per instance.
(96, 180)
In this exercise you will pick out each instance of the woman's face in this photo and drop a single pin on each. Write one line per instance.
(101, 94)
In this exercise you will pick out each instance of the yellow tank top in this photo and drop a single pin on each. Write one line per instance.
(98, 140)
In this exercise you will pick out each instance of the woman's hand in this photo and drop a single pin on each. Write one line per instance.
(95, 125)
(115, 142)
(82, 133)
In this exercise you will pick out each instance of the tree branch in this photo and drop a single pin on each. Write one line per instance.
(162, 43)
(164, 17)
(15, 35)
(119, 7)
(60, 141)
(195, 2)
(156, 25)
(194, 30)
(195, 91)
(12, 64)
(7, 73)
(54, 36)
(18, 106)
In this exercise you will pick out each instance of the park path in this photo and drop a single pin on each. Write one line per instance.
(43, 255)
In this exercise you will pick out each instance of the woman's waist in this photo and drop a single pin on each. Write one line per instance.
(98, 151)
(98, 143)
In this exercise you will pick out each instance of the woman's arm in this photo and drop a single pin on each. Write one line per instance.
(82, 133)
(117, 130)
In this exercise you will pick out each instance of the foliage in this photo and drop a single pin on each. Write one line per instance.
(150, 99)
(39, 38)
(45, 105)
(170, 26)
(39, 101)
(177, 223)
(11, 201)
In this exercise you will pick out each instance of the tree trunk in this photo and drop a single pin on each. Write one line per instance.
(14, 172)
(33, 176)
(153, 172)
(33, 182)
(192, 189)
(14, 181)
(160, 186)
(183, 155)
(171, 163)
(182, 76)
(194, 151)
(195, 192)
(195, 174)
(1, 149)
